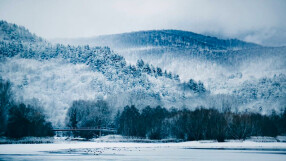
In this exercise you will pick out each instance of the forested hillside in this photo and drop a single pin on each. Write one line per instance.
(228, 68)
(55, 75)
(178, 69)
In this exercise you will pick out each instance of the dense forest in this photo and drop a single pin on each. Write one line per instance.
(183, 124)
(46, 85)
(200, 124)
(20, 120)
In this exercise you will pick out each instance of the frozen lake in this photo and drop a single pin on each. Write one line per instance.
(145, 151)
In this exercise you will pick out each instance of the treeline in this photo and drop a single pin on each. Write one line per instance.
(20, 120)
(160, 123)
(173, 38)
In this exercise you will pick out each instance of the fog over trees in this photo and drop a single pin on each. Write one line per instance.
(46, 85)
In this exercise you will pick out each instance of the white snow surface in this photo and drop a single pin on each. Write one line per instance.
(194, 150)
(40, 148)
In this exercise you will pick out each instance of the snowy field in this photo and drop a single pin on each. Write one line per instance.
(202, 150)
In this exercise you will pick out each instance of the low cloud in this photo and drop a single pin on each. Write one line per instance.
(259, 21)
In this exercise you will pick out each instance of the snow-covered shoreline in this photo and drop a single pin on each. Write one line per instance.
(38, 148)
(99, 149)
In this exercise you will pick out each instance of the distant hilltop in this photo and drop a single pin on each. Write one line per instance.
(166, 38)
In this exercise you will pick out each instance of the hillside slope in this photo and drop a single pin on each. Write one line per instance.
(195, 56)
(54, 75)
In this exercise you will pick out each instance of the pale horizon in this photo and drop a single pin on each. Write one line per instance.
(261, 22)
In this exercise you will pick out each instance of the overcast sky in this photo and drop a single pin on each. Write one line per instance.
(260, 21)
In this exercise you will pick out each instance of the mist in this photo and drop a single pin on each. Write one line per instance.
(261, 22)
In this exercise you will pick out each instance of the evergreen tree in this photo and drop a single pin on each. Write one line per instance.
(128, 124)
(27, 121)
(5, 103)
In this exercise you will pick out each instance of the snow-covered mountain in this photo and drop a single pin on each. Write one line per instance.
(55, 75)
(178, 69)
(224, 66)
(161, 38)
(221, 64)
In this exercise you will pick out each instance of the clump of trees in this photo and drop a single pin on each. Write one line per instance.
(20, 120)
(25, 120)
(96, 114)
(196, 87)
(202, 123)
(147, 123)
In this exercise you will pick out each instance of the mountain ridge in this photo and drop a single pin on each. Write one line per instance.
(186, 39)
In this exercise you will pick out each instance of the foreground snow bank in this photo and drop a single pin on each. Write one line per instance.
(120, 138)
(39, 148)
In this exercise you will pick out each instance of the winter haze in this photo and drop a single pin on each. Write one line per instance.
(90, 75)
(259, 21)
